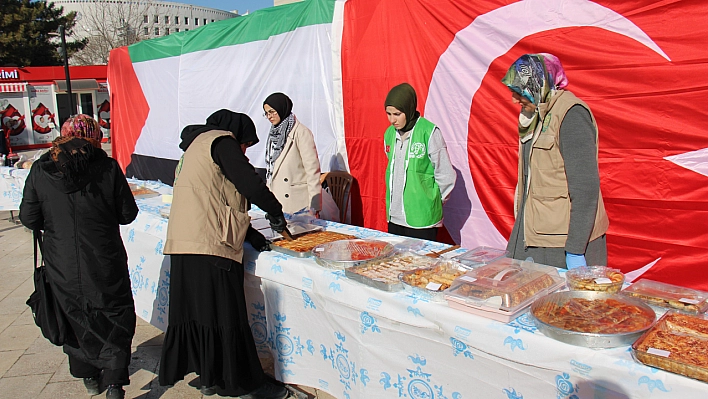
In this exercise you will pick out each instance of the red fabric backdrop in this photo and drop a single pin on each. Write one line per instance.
(647, 108)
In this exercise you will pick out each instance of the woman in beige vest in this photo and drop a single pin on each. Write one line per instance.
(560, 216)
(292, 165)
(209, 331)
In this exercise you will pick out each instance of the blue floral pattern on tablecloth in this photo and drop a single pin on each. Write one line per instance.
(415, 383)
(339, 358)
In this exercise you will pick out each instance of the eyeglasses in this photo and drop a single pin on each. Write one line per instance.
(272, 112)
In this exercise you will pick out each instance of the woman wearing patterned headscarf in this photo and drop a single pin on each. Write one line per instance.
(419, 175)
(292, 165)
(560, 215)
(79, 197)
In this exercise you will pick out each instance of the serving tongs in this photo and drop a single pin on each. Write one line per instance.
(444, 251)
(286, 234)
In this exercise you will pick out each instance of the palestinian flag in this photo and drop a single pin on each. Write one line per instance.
(639, 65)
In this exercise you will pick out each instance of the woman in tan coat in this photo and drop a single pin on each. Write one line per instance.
(292, 165)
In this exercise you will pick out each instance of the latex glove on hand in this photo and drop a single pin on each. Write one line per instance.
(257, 240)
(573, 261)
(277, 222)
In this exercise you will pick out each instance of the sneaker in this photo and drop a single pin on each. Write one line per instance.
(268, 391)
(208, 391)
(115, 392)
(91, 385)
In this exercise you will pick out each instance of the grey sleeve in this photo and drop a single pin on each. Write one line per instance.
(444, 173)
(579, 149)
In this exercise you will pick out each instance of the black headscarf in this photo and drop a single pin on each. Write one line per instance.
(241, 125)
(404, 99)
(281, 104)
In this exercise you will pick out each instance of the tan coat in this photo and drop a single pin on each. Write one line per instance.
(296, 172)
(547, 209)
(208, 215)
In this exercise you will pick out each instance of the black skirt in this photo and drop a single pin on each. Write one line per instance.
(208, 331)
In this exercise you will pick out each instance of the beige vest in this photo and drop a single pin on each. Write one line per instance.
(208, 215)
(547, 209)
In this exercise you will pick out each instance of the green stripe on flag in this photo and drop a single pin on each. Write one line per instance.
(260, 25)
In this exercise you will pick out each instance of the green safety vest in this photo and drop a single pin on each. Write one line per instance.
(422, 204)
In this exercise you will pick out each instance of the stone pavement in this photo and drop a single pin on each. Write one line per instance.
(32, 368)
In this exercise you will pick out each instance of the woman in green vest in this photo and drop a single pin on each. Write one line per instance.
(419, 175)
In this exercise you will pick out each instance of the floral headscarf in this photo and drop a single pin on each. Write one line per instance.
(85, 127)
(535, 77)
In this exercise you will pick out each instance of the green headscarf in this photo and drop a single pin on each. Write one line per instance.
(404, 99)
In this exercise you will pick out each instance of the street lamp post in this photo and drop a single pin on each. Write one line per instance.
(66, 70)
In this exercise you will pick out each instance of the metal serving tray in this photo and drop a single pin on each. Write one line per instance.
(590, 340)
(675, 362)
(358, 273)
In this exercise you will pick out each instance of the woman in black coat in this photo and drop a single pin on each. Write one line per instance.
(79, 196)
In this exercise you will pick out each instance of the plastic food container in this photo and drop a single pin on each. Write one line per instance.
(481, 256)
(302, 244)
(668, 296)
(346, 253)
(142, 192)
(677, 343)
(595, 278)
(383, 273)
(430, 283)
(591, 319)
(502, 289)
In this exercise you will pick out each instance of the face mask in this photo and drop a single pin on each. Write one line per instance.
(525, 118)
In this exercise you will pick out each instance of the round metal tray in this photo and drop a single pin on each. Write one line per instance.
(342, 254)
(590, 340)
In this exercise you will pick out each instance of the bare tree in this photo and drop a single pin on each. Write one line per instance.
(110, 24)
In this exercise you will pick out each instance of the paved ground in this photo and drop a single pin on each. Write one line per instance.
(33, 368)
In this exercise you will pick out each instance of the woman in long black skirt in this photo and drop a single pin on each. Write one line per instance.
(208, 331)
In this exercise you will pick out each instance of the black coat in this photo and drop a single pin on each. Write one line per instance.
(87, 265)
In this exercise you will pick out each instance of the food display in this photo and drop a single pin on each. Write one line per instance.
(677, 343)
(595, 278)
(593, 319)
(302, 244)
(383, 273)
(480, 256)
(668, 296)
(503, 288)
(346, 253)
(141, 192)
(431, 282)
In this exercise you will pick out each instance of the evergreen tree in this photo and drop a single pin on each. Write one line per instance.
(25, 28)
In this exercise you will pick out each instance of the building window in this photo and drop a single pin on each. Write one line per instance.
(146, 31)
(205, 21)
(196, 21)
(212, 20)
(186, 20)
(145, 19)
(167, 19)
(186, 30)
(156, 19)
(176, 20)
(177, 30)
(157, 31)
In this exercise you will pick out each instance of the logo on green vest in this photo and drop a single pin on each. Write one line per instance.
(417, 150)
(546, 122)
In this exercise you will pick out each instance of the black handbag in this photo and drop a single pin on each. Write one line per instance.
(48, 316)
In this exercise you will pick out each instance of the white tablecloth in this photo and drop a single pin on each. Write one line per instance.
(12, 182)
(354, 341)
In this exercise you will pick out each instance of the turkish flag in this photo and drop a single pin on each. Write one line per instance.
(639, 66)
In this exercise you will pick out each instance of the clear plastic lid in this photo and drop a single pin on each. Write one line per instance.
(505, 284)
(668, 296)
(481, 256)
(595, 278)
(345, 253)
(387, 269)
